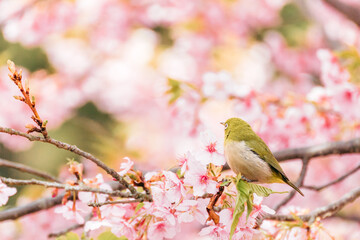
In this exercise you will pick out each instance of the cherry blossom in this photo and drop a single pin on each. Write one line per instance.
(96, 224)
(190, 210)
(126, 166)
(72, 211)
(160, 230)
(212, 151)
(5, 193)
(201, 182)
(221, 231)
(123, 228)
(217, 85)
(97, 182)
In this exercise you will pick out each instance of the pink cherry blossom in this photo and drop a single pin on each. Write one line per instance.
(212, 151)
(183, 162)
(72, 212)
(125, 166)
(117, 211)
(198, 178)
(97, 182)
(160, 230)
(96, 224)
(259, 208)
(190, 210)
(123, 228)
(218, 85)
(5, 193)
(332, 73)
(220, 231)
(174, 187)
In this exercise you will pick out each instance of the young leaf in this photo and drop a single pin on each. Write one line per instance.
(175, 90)
(110, 236)
(69, 236)
(243, 190)
(239, 209)
(260, 190)
(139, 206)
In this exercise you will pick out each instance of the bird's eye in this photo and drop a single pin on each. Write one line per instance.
(226, 125)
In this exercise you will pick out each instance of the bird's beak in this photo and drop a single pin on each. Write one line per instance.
(222, 123)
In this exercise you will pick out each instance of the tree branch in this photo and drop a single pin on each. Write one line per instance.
(123, 201)
(78, 151)
(40, 204)
(322, 212)
(78, 188)
(340, 147)
(35, 206)
(298, 183)
(24, 168)
(321, 187)
(349, 11)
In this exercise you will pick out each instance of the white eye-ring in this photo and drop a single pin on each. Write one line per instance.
(226, 125)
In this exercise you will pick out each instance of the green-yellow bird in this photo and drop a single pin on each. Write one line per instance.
(248, 154)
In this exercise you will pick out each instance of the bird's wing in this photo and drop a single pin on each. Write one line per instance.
(265, 154)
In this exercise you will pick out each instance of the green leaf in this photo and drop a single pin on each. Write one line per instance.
(175, 90)
(249, 207)
(260, 190)
(225, 183)
(110, 236)
(69, 236)
(245, 194)
(242, 197)
(239, 209)
(139, 206)
(350, 59)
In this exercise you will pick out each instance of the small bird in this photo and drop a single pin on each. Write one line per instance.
(248, 154)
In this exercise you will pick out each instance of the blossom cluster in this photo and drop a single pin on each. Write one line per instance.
(178, 199)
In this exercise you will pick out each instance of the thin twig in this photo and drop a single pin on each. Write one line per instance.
(16, 77)
(77, 188)
(210, 207)
(24, 168)
(321, 212)
(321, 187)
(78, 151)
(124, 201)
(298, 183)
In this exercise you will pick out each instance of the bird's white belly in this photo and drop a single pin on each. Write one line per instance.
(242, 160)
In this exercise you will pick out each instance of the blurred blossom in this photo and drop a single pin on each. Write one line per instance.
(217, 85)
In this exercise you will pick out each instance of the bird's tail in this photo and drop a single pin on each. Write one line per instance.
(287, 181)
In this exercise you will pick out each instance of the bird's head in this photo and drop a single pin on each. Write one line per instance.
(235, 126)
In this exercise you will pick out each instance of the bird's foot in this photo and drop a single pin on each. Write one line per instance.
(246, 179)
